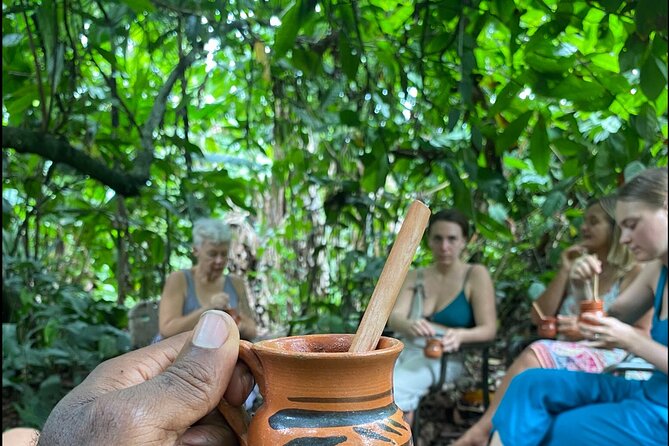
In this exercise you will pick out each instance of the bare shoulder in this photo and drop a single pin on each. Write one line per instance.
(175, 279)
(175, 286)
(630, 275)
(651, 273)
(478, 271)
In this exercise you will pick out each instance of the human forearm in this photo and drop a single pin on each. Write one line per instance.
(479, 333)
(476, 334)
(180, 324)
(399, 324)
(647, 348)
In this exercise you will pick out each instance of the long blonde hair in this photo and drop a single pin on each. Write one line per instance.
(619, 256)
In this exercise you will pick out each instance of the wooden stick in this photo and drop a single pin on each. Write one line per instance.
(595, 285)
(587, 287)
(538, 310)
(391, 279)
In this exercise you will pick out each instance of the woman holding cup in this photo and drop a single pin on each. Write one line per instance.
(450, 303)
(557, 407)
(189, 292)
(561, 302)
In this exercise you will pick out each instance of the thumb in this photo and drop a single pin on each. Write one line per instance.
(192, 387)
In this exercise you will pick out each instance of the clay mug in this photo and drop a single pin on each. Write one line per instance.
(594, 307)
(317, 393)
(547, 327)
(433, 348)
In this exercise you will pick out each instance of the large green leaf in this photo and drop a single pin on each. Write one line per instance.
(511, 134)
(140, 6)
(651, 16)
(587, 95)
(291, 22)
(645, 122)
(349, 59)
(653, 77)
(555, 201)
(540, 151)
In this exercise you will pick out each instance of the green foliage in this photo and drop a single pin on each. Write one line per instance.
(320, 121)
(58, 336)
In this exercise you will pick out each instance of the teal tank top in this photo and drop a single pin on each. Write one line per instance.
(655, 388)
(191, 303)
(458, 313)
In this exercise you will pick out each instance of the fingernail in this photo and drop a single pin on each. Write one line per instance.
(211, 330)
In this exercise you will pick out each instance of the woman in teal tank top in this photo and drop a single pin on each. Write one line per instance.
(559, 407)
(450, 299)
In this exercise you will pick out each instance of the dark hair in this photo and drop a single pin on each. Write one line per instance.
(453, 216)
(648, 186)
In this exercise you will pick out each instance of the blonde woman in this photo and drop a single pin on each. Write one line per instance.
(560, 407)
(600, 238)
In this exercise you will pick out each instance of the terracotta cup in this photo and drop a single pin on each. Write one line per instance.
(594, 307)
(547, 328)
(433, 348)
(317, 393)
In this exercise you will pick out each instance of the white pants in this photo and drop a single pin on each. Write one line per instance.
(414, 374)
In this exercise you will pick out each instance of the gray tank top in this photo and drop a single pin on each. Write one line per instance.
(191, 303)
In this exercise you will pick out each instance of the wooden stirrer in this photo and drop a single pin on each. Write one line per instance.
(595, 286)
(390, 281)
(539, 312)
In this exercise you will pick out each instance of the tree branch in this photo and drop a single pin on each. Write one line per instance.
(58, 150)
(145, 157)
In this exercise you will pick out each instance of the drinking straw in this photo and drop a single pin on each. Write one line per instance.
(391, 279)
(538, 310)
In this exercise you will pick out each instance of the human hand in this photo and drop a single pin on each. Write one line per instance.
(164, 394)
(607, 332)
(585, 268)
(421, 328)
(569, 255)
(568, 327)
(451, 340)
(219, 301)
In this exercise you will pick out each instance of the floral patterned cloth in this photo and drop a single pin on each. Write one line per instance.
(567, 355)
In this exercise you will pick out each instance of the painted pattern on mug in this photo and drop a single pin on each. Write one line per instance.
(380, 425)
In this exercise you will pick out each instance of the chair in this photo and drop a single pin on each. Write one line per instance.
(484, 349)
(143, 323)
(630, 363)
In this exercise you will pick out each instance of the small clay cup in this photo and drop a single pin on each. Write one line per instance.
(594, 307)
(547, 328)
(433, 348)
(316, 392)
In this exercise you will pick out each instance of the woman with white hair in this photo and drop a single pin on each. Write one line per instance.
(190, 292)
